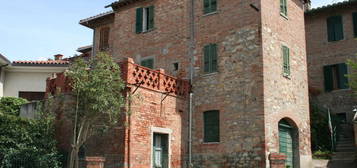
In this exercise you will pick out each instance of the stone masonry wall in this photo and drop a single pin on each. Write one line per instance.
(235, 90)
(321, 52)
(285, 97)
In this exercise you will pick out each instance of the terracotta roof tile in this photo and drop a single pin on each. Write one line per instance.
(83, 21)
(49, 62)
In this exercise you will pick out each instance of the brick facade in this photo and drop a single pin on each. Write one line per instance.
(321, 53)
(248, 90)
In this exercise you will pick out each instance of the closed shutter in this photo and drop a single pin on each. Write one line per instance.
(139, 20)
(213, 5)
(149, 63)
(206, 59)
(286, 143)
(328, 78)
(283, 7)
(342, 79)
(335, 28)
(213, 54)
(286, 61)
(354, 15)
(151, 17)
(211, 126)
(206, 6)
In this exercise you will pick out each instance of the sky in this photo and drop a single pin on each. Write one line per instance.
(39, 29)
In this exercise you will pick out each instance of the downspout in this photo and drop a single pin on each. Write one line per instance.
(192, 63)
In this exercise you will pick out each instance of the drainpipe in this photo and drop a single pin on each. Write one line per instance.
(192, 64)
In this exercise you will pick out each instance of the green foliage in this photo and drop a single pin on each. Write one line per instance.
(353, 75)
(326, 155)
(11, 105)
(27, 143)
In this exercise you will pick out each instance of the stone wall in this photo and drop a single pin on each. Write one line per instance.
(285, 97)
(321, 52)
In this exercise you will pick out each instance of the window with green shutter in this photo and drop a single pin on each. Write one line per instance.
(283, 7)
(335, 77)
(286, 60)
(144, 19)
(335, 28)
(354, 16)
(210, 58)
(149, 63)
(209, 6)
(211, 126)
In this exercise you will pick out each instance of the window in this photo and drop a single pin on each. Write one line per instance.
(149, 63)
(210, 58)
(209, 6)
(354, 15)
(283, 7)
(32, 96)
(211, 126)
(160, 151)
(104, 38)
(144, 19)
(335, 28)
(335, 77)
(286, 60)
(176, 66)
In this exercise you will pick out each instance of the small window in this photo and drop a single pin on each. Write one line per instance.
(354, 15)
(335, 77)
(210, 58)
(149, 63)
(335, 28)
(286, 60)
(211, 126)
(283, 7)
(144, 19)
(176, 66)
(104, 38)
(209, 6)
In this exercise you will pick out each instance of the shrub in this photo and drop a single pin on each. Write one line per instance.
(11, 105)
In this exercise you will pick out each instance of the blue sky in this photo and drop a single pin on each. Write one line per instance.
(39, 29)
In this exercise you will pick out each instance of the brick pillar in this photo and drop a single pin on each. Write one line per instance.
(277, 160)
(95, 162)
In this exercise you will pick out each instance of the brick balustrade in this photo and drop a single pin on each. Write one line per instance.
(95, 162)
(132, 74)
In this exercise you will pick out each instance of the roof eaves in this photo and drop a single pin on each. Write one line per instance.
(7, 61)
(333, 5)
(85, 22)
(121, 3)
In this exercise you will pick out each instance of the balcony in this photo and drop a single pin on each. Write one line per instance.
(133, 75)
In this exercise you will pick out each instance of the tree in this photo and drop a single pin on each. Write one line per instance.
(97, 89)
(353, 75)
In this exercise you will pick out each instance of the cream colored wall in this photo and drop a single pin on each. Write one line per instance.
(2, 80)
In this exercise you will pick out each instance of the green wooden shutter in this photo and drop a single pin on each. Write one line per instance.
(328, 78)
(211, 126)
(342, 79)
(213, 55)
(213, 5)
(286, 143)
(206, 6)
(330, 29)
(206, 59)
(150, 63)
(286, 60)
(338, 28)
(151, 17)
(139, 20)
(354, 15)
(283, 7)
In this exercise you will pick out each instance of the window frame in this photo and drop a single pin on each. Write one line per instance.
(205, 138)
(104, 38)
(210, 9)
(145, 19)
(284, 8)
(333, 79)
(159, 130)
(332, 29)
(147, 59)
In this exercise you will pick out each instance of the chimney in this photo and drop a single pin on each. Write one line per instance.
(58, 57)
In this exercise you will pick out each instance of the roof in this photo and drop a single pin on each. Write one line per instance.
(333, 5)
(85, 49)
(3, 58)
(85, 22)
(120, 3)
(41, 63)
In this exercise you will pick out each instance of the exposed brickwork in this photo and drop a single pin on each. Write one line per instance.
(321, 52)
(277, 160)
(95, 162)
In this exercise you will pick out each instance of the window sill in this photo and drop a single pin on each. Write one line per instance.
(336, 41)
(284, 16)
(146, 31)
(211, 143)
(287, 76)
(338, 90)
(207, 74)
(211, 13)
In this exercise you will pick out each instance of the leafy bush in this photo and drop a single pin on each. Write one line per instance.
(322, 155)
(11, 105)
(27, 143)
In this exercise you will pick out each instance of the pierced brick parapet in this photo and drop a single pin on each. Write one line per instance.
(132, 74)
(95, 162)
(277, 160)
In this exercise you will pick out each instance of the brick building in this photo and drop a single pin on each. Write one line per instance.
(246, 61)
